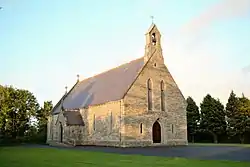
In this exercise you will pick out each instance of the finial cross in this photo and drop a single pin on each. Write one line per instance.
(66, 89)
(78, 77)
(152, 17)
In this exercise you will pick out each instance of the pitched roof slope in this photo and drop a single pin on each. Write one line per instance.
(108, 86)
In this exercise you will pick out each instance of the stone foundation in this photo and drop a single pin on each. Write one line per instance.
(177, 143)
(125, 144)
(101, 143)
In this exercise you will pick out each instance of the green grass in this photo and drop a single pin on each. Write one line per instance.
(50, 157)
(220, 144)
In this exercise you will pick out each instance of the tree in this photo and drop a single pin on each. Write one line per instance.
(16, 110)
(193, 117)
(26, 107)
(243, 121)
(42, 117)
(2, 108)
(238, 113)
(244, 106)
(43, 113)
(1, 94)
(232, 113)
(5, 110)
(212, 117)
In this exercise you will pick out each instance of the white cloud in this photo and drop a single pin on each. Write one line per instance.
(197, 64)
(246, 70)
(227, 9)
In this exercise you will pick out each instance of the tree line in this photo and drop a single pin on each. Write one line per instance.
(214, 122)
(22, 119)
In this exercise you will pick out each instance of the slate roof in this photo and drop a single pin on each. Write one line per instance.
(107, 86)
(73, 118)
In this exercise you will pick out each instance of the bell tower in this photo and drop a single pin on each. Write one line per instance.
(153, 42)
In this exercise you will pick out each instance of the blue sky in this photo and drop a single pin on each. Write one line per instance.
(45, 44)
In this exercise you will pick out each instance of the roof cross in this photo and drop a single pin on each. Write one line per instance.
(78, 77)
(66, 89)
(152, 17)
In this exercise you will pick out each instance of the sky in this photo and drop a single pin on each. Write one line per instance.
(45, 44)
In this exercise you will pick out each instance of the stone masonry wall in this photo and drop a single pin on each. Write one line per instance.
(52, 132)
(136, 109)
(102, 126)
(74, 135)
(71, 134)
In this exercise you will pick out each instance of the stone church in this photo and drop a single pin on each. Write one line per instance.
(134, 104)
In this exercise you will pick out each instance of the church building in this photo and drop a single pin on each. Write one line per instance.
(134, 104)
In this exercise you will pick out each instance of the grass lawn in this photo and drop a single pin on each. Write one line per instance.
(52, 157)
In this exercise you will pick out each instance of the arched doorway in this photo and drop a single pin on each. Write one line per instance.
(156, 130)
(61, 133)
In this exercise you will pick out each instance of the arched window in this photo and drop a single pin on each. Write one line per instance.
(149, 85)
(141, 128)
(94, 122)
(111, 119)
(162, 96)
(61, 132)
(153, 39)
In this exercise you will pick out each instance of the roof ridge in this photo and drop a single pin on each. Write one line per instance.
(109, 70)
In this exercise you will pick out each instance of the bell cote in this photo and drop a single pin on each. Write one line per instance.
(153, 41)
